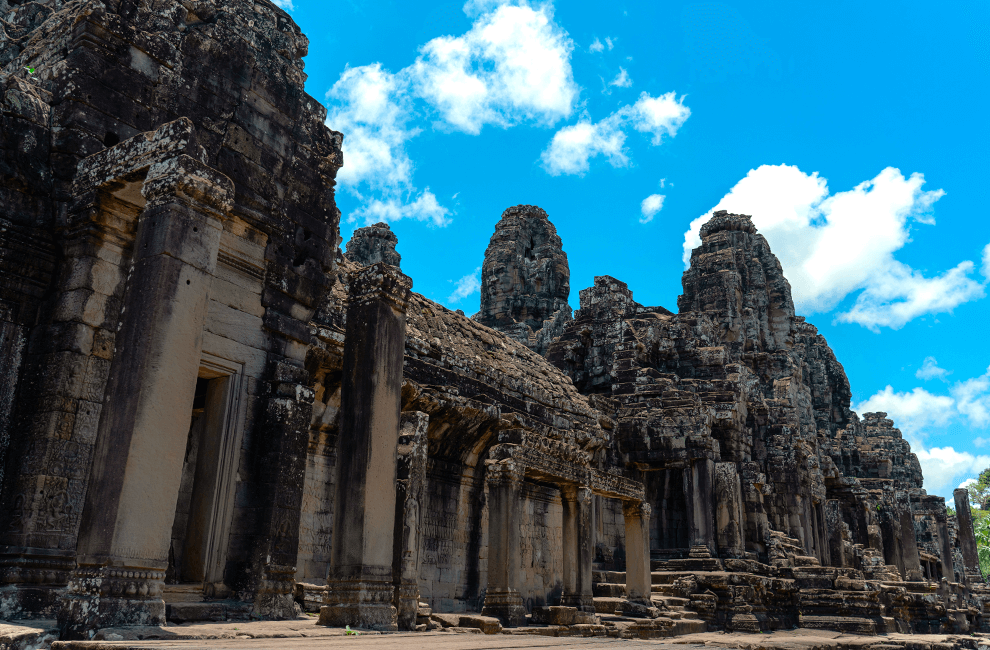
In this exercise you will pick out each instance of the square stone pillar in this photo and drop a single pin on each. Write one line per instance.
(908, 538)
(729, 519)
(360, 589)
(141, 442)
(502, 600)
(639, 581)
(579, 551)
(410, 495)
(698, 490)
(945, 545)
(967, 538)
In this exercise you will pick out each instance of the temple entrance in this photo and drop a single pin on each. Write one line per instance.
(203, 506)
(670, 534)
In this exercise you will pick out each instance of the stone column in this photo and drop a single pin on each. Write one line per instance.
(579, 551)
(360, 589)
(410, 495)
(127, 520)
(967, 538)
(945, 545)
(698, 495)
(729, 511)
(639, 581)
(833, 527)
(909, 540)
(502, 599)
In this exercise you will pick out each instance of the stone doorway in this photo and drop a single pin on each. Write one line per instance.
(200, 528)
(670, 521)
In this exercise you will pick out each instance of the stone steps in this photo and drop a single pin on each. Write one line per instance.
(217, 610)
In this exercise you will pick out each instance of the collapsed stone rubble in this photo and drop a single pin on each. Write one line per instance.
(209, 412)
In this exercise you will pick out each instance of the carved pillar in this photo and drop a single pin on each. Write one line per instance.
(141, 441)
(833, 527)
(67, 365)
(729, 518)
(945, 544)
(410, 495)
(579, 548)
(639, 582)
(502, 600)
(698, 494)
(967, 538)
(909, 540)
(360, 589)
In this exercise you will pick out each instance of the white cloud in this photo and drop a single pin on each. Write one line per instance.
(284, 4)
(973, 399)
(930, 370)
(622, 79)
(573, 146)
(659, 116)
(913, 411)
(467, 285)
(369, 107)
(424, 208)
(920, 414)
(831, 245)
(609, 43)
(512, 65)
(943, 466)
(650, 206)
(596, 46)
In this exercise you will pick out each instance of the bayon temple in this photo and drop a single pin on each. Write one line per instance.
(209, 409)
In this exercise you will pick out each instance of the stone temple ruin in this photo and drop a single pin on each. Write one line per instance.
(207, 411)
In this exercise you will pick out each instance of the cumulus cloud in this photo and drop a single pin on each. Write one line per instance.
(513, 65)
(650, 206)
(573, 146)
(284, 4)
(368, 105)
(424, 207)
(919, 414)
(621, 80)
(470, 283)
(929, 370)
(831, 245)
(596, 46)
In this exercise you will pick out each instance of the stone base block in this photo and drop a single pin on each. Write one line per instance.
(557, 615)
(407, 605)
(506, 606)
(583, 603)
(98, 597)
(23, 602)
(850, 624)
(367, 616)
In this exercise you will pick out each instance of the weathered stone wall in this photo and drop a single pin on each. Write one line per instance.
(104, 72)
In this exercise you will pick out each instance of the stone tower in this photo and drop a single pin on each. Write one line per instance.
(525, 280)
(373, 244)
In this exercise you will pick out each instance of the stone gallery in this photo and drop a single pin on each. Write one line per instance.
(209, 411)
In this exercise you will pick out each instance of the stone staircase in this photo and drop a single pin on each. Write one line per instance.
(669, 615)
(185, 603)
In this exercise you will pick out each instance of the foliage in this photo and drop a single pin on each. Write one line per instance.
(979, 492)
(981, 529)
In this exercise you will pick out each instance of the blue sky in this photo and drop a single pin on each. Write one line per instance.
(854, 133)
